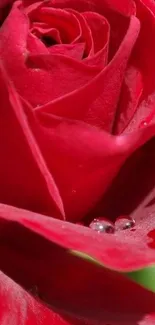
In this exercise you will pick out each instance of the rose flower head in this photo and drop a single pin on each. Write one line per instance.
(77, 162)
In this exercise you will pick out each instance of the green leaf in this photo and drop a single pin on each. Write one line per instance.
(145, 277)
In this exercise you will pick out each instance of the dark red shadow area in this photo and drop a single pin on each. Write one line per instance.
(68, 283)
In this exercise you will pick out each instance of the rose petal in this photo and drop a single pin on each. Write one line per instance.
(61, 74)
(96, 101)
(98, 25)
(150, 4)
(91, 158)
(63, 20)
(115, 12)
(43, 30)
(79, 145)
(133, 183)
(123, 251)
(94, 295)
(74, 51)
(143, 59)
(128, 8)
(86, 35)
(72, 185)
(24, 176)
(131, 92)
(34, 45)
(58, 72)
(19, 307)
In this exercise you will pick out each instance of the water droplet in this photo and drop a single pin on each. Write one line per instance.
(36, 69)
(124, 222)
(102, 225)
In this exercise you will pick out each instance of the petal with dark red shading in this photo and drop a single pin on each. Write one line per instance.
(130, 95)
(18, 307)
(128, 8)
(24, 177)
(91, 159)
(96, 101)
(58, 76)
(92, 294)
(142, 59)
(98, 25)
(124, 251)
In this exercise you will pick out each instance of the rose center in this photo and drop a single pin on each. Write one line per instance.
(55, 27)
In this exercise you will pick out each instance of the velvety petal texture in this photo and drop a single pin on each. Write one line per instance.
(63, 299)
(26, 159)
(77, 142)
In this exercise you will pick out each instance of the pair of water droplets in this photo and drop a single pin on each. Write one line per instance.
(102, 225)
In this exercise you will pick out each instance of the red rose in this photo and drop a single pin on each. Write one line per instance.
(77, 113)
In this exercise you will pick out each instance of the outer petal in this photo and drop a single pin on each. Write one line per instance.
(139, 100)
(19, 308)
(84, 292)
(24, 177)
(131, 92)
(91, 158)
(132, 184)
(122, 251)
